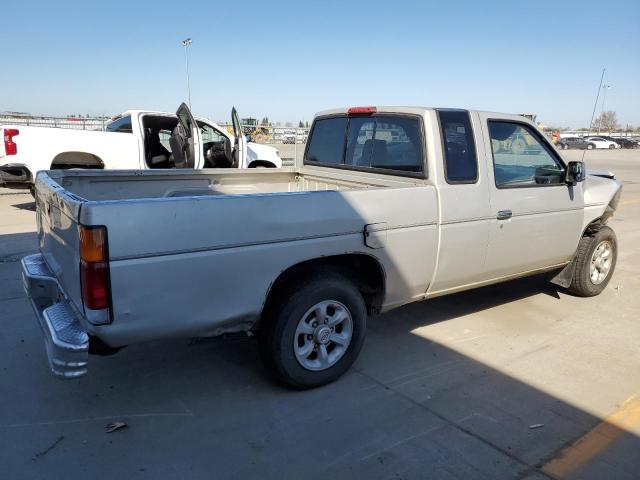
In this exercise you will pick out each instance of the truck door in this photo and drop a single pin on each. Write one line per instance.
(464, 198)
(536, 217)
(186, 144)
(240, 143)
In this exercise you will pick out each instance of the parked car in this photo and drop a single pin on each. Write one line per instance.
(572, 142)
(627, 143)
(133, 140)
(600, 142)
(302, 256)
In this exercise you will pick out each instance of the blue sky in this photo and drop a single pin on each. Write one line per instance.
(290, 59)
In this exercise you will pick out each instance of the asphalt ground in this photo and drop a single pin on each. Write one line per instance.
(518, 380)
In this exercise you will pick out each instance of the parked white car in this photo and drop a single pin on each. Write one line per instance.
(599, 142)
(135, 139)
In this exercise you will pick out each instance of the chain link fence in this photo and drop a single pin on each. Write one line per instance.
(56, 122)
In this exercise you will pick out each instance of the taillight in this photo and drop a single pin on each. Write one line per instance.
(10, 147)
(362, 110)
(94, 267)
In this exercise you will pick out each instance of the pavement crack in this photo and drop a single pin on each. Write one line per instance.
(49, 448)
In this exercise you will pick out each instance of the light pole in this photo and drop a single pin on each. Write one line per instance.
(604, 101)
(185, 43)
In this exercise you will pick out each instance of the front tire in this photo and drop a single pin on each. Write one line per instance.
(313, 331)
(591, 146)
(595, 262)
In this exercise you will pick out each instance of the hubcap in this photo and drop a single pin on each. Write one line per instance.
(601, 262)
(323, 335)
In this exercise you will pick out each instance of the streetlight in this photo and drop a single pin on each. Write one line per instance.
(604, 100)
(185, 43)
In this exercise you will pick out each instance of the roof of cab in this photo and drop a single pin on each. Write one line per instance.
(416, 110)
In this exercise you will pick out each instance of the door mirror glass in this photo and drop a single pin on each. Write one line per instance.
(575, 173)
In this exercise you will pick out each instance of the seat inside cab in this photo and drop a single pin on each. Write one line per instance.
(158, 129)
(157, 134)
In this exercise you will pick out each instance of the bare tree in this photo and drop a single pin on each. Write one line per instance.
(607, 121)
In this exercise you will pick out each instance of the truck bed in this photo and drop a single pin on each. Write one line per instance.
(127, 185)
(176, 238)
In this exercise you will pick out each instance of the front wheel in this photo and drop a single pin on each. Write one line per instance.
(312, 333)
(595, 262)
(591, 146)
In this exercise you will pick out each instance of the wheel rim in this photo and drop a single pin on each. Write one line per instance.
(601, 262)
(323, 335)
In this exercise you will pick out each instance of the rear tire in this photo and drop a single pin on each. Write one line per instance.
(595, 262)
(612, 147)
(312, 303)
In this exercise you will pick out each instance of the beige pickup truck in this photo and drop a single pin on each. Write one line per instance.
(391, 205)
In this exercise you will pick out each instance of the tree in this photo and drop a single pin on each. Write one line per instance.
(265, 121)
(300, 124)
(306, 124)
(607, 121)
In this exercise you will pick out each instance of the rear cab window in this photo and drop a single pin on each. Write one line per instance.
(121, 125)
(383, 143)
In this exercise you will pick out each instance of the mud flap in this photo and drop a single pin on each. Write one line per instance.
(565, 276)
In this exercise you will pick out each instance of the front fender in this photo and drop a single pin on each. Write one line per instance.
(601, 198)
(265, 153)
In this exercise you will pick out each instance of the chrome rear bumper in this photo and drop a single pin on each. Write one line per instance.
(66, 342)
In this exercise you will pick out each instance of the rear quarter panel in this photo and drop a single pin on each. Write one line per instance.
(39, 146)
(203, 265)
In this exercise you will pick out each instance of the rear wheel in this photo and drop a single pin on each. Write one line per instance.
(312, 335)
(612, 147)
(595, 262)
(565, 147)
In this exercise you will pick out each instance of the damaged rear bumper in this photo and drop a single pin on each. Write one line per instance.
(67, 344)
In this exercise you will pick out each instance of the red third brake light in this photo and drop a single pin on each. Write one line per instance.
(94, 267)
(10, 147)
(361, 110)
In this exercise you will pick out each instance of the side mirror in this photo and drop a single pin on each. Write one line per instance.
(575, 173)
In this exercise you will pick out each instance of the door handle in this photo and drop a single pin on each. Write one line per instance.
(504, 214)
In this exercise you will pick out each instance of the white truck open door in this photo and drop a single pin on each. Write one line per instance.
(186, 143)
(240, 142)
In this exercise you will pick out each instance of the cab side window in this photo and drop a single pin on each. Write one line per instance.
(460, 163)
(521, 158)
(210, 134)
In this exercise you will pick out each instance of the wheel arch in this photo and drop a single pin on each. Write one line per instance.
(75, 159)
(261, 163)
(365, 271)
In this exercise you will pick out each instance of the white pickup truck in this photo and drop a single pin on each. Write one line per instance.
(392, 205)
(133, 140)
